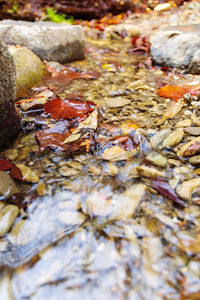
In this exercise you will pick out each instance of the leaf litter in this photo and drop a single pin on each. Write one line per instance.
(109, 191)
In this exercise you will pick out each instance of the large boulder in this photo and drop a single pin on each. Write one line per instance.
(177, 47)
(50, 41)
(9, 120)
(30, 69)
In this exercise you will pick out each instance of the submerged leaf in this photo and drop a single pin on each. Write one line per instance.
(68, 108)
(166, 190)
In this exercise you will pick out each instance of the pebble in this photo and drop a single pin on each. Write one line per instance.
(6, 288)
(23, 232)
(159, 137)
(149, 172)
(184, 123)
(74, 204)
(7, 217)
(28, 174)
(66, 171)
(41, 189)
(188, 113)
(11, 153)
(7, 185)
(2, 204)
(192, 130)
(195, 160)
(71, 217)
(116, 102)
(174, 138)
(98, 204)
(157, 159)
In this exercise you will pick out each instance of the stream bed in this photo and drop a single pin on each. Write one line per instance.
(108, 202)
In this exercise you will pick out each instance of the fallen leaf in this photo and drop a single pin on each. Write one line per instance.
(164, 188)
(16, 173)
(6, 165)
(68, 108)
(53, 140)
(177, 92)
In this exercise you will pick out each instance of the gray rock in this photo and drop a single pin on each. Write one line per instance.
(177, 47)
(50, 41)
(9, 120)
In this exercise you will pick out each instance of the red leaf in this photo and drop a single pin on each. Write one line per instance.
(67, 109)
(16, 173)
(166, 190)
(5, 164)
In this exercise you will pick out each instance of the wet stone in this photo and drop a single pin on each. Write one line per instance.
(7, 185)
(157, 159)
(28, 174)
(7, 217)
(195, 160)
(192, 130)
(173, 138)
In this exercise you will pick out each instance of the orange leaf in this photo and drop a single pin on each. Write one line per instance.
(177, 92)
(173, 92)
